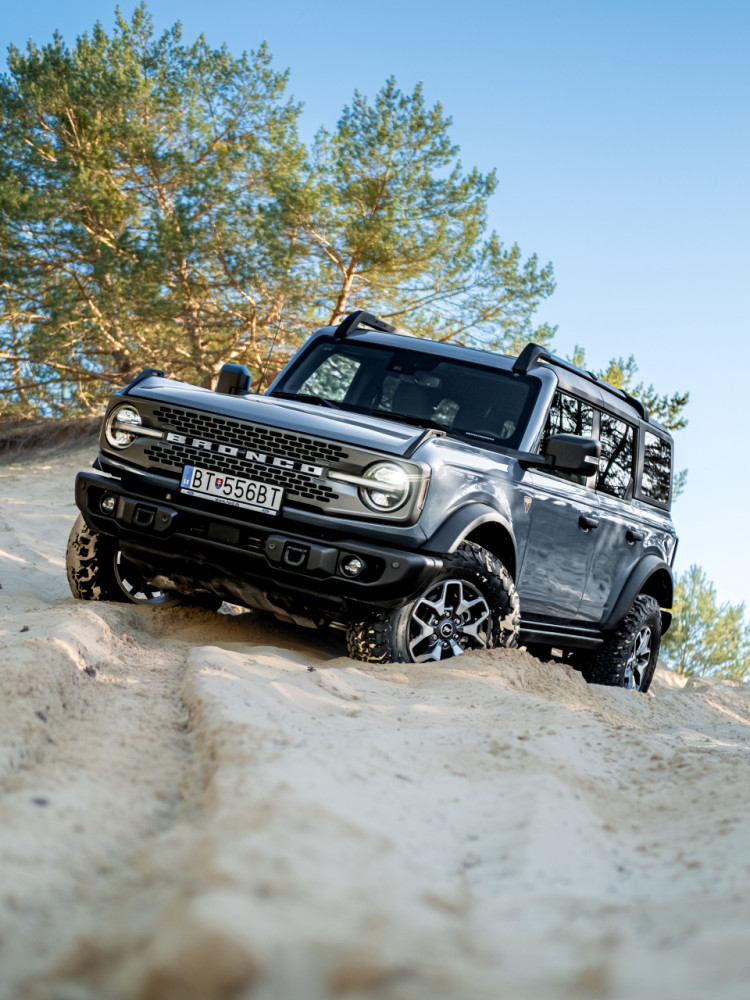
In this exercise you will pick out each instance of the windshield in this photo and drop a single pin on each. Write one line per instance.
(481, 404)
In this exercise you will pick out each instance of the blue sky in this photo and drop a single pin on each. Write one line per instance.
(620, 133)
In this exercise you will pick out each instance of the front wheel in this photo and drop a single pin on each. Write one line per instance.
(628, 658)
(471, 604)
(98, 571)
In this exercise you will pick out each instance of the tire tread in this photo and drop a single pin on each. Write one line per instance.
(89, 563)
(607, 665)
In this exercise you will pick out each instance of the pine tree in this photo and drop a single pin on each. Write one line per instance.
(393, 224)
(706, 638)
(621, 372)
(140, 222)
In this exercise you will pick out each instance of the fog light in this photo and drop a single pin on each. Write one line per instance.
(108, 503)
(352, 566)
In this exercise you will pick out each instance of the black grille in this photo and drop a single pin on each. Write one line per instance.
(279, 444)
(224, 430)
(298, 483)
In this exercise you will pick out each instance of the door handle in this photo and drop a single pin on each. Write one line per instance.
(634, 536)
(587, 522)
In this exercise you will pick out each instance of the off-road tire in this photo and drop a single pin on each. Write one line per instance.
(91, 562)
(610, 663)
(369, 640)
(384, 637)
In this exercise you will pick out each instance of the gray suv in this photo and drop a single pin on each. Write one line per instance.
(427, 498)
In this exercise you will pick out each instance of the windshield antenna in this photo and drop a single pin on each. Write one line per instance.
(268, 357)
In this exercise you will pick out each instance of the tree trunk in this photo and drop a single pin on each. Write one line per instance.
(340, 307)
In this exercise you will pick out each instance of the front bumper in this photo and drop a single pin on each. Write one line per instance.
(252, 561)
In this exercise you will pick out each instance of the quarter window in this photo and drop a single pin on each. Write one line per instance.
(657, 467)
(616, 462)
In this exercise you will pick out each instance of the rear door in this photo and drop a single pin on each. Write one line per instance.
(619, 534)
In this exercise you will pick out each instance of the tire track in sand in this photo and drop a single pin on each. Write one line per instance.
(97, 765)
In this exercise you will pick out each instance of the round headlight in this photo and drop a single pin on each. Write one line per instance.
(118, 423)
(390, 486)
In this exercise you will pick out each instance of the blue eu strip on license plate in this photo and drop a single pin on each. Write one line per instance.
(252, 494)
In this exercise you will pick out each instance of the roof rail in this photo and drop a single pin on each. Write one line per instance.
(533, 353)
(362, 318)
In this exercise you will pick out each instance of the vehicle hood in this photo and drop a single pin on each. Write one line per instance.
(357, 429)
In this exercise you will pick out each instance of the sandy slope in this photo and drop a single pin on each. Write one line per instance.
(202, 806)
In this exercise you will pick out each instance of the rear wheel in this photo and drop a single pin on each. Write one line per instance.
(472, 604)
(98, 571)
(628, 658)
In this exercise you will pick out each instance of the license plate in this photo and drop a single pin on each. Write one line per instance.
(249, 493)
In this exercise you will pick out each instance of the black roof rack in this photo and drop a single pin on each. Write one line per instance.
(533, 353)
(362, 318)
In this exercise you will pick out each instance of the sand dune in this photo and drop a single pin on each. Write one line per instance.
(200, 806)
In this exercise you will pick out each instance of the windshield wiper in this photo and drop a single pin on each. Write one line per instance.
(307, 397)
(406, 419)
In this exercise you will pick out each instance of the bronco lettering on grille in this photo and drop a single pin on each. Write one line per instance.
(251, 456)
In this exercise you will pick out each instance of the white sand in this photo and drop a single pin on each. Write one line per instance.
(204, 807)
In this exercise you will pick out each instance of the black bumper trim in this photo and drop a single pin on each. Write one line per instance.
(231, 556)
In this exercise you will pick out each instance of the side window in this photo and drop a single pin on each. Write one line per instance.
(569, 415)
(657, 467)
(616, 462)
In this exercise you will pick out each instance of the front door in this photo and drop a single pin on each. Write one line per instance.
(560, 546)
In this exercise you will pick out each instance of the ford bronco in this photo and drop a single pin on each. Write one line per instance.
(428, 498)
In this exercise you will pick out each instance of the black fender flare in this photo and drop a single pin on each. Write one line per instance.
(461, 523)
(637, 583)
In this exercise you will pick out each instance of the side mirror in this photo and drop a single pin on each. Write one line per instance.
(234, 380)
(571, 453)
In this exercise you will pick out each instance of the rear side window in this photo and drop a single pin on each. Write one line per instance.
(657, 467)
(616, 462)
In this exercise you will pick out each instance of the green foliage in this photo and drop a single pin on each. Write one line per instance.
(621, 372)
(140, 222)
(158, 209)
(706, 638)
(393, 223)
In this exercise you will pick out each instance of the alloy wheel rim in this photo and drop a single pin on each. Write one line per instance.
(131, 582)
(639, 659)
(450, 618)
